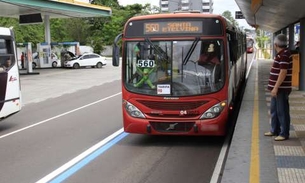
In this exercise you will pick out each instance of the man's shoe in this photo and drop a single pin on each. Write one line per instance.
(269, 134)
(280, 138)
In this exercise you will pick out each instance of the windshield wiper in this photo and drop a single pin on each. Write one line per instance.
(157, 49)
(191, 50)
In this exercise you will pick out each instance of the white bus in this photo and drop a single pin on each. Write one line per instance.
(10, 91)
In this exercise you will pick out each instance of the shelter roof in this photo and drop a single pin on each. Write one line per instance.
(272, 15)
(53, 8)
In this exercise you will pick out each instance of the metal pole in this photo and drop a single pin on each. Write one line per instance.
(302, 56)
(28, 57)
(284, 31)
(291, 37)
(47, 29)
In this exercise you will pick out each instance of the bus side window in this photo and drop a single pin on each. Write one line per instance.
(234, 50)
(8, 46)
(233, 47)
(3, 46)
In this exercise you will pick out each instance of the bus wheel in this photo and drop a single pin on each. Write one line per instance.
(54, 64)
(99, 65)
(76, 66)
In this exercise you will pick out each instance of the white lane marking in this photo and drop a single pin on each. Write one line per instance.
(78, 158)
(58, 116)
(220, 162)
(251, 63)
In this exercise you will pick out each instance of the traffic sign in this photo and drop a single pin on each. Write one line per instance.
(239, 15)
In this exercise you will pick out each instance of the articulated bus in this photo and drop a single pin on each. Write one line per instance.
(10, 91)
(167, 88)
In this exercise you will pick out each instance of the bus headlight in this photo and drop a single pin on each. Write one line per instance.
(214, 111)
(133, 110)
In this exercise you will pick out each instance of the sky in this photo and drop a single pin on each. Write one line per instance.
(219, 7)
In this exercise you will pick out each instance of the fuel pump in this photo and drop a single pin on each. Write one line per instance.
(44, 55)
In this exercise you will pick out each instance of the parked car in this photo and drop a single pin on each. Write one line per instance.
(54, 59)
(87, 59)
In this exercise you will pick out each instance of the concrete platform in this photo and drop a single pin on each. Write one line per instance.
(253, 157)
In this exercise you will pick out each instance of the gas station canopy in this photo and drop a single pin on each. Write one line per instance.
(52, 8)
(272, 15)
(38, 11)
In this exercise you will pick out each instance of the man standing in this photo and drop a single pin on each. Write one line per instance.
(280, 87)
(22, 60)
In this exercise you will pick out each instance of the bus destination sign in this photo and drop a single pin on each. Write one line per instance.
(175, 27)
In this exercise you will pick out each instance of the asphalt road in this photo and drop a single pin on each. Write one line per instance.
(68, 112)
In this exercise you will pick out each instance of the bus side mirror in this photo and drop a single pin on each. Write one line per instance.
(115, 56)
(116, 51)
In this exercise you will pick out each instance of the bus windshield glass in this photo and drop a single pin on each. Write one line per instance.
(174, 68)
(250, 42)
(7, 59)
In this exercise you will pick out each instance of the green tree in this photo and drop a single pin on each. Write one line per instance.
(110, 3)
(103, 30)
(58, 34)
(77, 29)
(24, 33)
(263, 41)
(95, 31)
(227, 14)
(261, 38)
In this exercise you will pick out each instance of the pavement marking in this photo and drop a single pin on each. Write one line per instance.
(83, 159)
(254, 163)
(220, 162)
(250, 66)
(58, 116)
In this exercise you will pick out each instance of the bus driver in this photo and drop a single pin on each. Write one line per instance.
(209, 56)
(6, 65)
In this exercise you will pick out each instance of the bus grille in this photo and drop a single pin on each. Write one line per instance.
(172, 126)
(171, 106)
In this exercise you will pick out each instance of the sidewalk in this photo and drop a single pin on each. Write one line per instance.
(290, 154)
(253, 157)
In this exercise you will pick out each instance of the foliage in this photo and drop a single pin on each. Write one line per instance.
(105, 29)
(24, 33)
(94, 31)
(57, 32)
(266, 54)
(261, 38)
(227, 14)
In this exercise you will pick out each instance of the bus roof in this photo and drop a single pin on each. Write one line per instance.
(5, 31)
(175, 15)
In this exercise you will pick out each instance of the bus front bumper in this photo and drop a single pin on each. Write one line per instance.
(213, 127)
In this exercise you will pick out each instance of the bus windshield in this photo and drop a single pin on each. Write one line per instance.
(250, 42)
(174, 68)
(7, 59)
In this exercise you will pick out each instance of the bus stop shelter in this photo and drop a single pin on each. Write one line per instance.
(41, 11)
(278, 16)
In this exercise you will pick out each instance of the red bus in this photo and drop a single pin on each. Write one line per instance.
(250, 45)
(166, 90)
